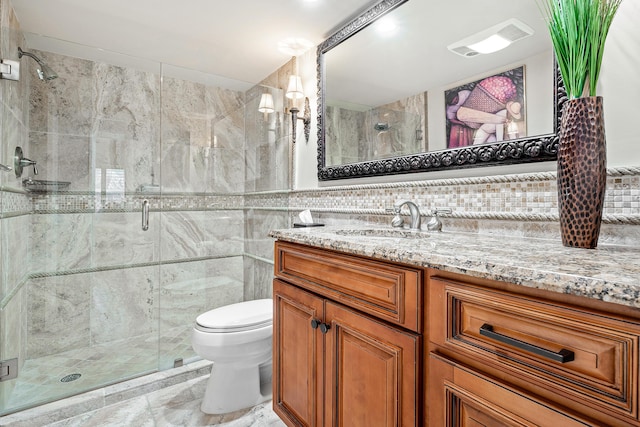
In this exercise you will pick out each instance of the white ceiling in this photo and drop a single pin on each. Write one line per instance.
(236, 39)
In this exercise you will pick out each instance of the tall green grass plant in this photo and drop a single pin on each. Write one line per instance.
(578, 30)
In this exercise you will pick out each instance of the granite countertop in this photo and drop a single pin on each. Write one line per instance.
(608, 273)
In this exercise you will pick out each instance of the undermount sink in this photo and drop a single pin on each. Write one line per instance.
(383, 233)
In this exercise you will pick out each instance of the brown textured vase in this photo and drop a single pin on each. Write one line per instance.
(582, 171)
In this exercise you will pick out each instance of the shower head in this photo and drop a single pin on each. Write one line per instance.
(44, 72)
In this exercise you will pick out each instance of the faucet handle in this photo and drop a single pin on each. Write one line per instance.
(397, 221)
(434, 223)
(28, 162)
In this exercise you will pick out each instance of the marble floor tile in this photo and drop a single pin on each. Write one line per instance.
(172, 398)
(132, 412)
(178, 405)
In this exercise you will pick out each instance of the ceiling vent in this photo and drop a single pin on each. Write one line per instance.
(492, 39)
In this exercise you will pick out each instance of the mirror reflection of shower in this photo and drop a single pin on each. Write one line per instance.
(391, 132)
(386, 140)
(44, 72)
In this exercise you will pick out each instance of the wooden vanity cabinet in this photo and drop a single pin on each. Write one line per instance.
(343, 355)
(504, 355)
(349, 348)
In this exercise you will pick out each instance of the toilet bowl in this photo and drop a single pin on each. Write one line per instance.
(237, 338)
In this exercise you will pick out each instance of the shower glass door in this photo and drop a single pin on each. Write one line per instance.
(80, 298)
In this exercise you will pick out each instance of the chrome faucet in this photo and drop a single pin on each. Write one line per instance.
(414, 210)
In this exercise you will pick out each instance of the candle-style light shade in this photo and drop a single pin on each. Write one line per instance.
(294, 90)
(266, 103)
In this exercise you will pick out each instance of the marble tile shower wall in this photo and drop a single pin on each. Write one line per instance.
(14, 205)
(264, 212)
(203, 134)
(267, 140)
(267, 180)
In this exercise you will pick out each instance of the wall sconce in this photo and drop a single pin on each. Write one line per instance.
(294, 91)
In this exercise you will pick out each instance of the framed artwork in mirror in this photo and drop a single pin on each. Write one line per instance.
(492, 109)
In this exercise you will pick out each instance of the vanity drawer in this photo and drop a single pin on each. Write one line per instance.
(465, 397)
(388, 291)
(567, 354)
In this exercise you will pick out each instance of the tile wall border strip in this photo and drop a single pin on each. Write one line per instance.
(41, 275)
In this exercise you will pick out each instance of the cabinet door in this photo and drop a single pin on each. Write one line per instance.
(461, 397)
(371, 371)
(297, 358)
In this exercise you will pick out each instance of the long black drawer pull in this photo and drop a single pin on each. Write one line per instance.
(562, 356)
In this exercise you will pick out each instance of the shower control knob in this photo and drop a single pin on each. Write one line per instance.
(315, 323)
(324, 328)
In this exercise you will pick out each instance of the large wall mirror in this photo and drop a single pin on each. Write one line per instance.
(405, 88)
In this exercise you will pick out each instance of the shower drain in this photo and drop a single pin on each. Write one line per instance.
(69, 378)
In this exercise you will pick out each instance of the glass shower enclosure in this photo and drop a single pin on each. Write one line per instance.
(133, 225)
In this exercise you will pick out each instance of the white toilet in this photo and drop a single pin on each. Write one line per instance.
(237, 338)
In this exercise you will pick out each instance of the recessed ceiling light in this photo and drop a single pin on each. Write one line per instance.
(295, 46)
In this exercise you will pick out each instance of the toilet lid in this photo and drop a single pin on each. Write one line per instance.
(238, 317)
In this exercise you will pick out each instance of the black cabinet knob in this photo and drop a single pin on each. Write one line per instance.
(315, 323)
(324, 328)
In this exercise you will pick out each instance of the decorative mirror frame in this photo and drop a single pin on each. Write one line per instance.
(523, 150)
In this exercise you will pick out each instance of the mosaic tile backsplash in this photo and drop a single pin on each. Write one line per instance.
(524, 196)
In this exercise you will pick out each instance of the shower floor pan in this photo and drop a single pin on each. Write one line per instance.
(65, 374)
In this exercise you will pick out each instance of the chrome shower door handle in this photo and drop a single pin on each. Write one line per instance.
(145, 215)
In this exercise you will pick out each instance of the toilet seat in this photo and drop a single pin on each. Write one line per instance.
(243, 316)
